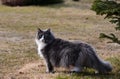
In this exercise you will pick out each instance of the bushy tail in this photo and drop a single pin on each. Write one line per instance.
(97, 63)
(103, 66)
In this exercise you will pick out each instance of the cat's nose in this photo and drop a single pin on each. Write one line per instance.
(43, 40)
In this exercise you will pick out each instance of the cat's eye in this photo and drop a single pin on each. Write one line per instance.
(39, 36)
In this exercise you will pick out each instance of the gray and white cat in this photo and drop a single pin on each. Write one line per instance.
(60, 53)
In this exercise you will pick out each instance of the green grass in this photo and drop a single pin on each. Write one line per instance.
(69, 21)
(89, 76)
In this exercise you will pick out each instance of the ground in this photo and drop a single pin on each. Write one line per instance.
(69, 21)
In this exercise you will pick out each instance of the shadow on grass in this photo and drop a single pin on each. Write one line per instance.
(58, 5)
(78, 5)
(101, 76)
(89, 75)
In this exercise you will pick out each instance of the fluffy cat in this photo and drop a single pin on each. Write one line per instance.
(60, 53)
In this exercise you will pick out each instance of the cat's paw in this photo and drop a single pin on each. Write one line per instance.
(50, 72)
(76, 70)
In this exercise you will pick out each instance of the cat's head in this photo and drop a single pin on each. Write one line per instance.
(44, 36)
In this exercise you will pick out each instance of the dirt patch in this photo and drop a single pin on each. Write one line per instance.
(28, 67)
(34, 70)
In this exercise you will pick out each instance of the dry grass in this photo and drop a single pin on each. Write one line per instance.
(69, 21)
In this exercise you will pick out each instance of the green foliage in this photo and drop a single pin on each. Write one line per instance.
(111, 37)
(111, 10)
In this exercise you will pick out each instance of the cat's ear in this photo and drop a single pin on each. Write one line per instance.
(39, 30)
(49, 30)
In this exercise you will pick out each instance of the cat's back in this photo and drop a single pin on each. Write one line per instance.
(64, 44)
(61, 43)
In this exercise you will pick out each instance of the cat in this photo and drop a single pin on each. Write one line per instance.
(61, 53)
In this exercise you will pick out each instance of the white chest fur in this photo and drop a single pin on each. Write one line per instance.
(40, 45)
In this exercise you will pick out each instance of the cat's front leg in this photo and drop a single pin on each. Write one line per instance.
(49, 67)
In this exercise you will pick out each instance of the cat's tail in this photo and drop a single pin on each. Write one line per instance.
(100, 65)
(103, 66)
